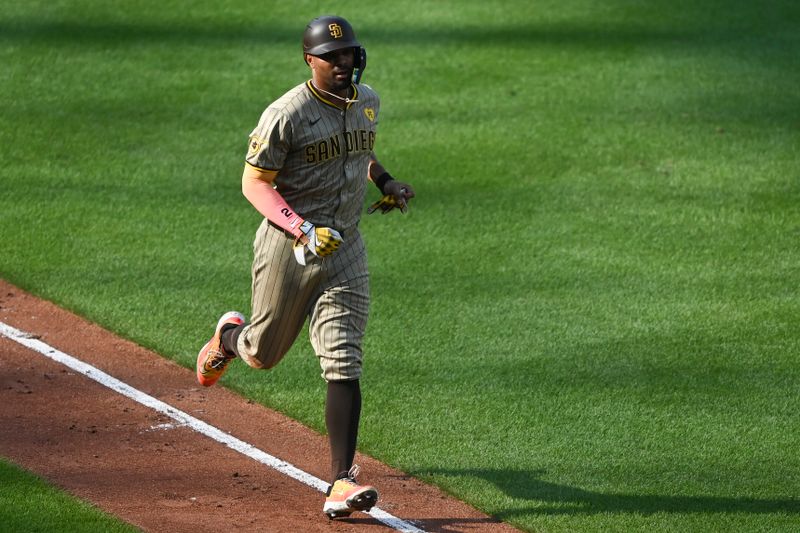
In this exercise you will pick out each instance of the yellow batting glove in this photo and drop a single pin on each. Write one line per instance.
(321, 242)
(386, 204)
(328, 241)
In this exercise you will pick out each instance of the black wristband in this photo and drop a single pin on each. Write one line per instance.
(382, 180)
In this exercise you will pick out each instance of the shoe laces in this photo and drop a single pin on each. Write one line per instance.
(353, 473)
(217, 359)
(350, 479)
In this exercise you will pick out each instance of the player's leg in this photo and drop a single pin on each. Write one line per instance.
(338, 322)
(282, 295)
(337, 327)
(342, 417)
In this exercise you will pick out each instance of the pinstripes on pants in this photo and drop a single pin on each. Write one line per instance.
(333, 293)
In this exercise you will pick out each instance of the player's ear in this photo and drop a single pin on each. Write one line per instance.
(308, 58)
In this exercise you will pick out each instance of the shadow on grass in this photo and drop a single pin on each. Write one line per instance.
(122, 33)
(706, 32)
(430, 525)
(565, 500)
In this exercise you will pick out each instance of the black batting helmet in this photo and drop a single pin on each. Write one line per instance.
(327, 33)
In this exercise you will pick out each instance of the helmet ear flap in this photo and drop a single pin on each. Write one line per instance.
(360, 63)
(359, 57)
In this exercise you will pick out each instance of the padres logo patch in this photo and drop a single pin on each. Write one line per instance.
(336, 30)
(255, 146)
(370, 114)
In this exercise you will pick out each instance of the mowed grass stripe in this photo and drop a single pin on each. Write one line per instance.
(586, 321)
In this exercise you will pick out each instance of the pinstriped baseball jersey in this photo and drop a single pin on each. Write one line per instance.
(321, 155)
(318, 148)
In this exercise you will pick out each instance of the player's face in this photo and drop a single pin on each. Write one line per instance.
(333, 71)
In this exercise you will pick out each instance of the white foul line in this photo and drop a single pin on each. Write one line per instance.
(185, 419)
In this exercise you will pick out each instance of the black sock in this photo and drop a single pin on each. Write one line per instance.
(342, 415)
(230, 337)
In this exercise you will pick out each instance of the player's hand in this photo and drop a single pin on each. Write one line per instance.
(321, 242)
(396, 194)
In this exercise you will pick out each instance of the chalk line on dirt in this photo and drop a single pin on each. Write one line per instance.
(30, 341)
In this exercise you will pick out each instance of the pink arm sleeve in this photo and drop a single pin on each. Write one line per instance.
(271, 204)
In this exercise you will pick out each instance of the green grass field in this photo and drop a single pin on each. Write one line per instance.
(30, 505)
(589, 319)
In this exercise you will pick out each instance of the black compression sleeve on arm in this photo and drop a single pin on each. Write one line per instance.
(382, 180)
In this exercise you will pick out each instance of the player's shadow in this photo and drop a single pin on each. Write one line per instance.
(558, 499)
(554, 499)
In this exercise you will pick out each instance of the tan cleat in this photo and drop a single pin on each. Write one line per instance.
(346, 496)
(213, 359)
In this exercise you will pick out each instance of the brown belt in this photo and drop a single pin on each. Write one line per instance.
(277, 227)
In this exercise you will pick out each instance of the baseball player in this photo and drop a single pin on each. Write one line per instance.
(308, 163)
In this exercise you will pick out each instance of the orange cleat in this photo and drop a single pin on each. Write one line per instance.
(346, 496)
(213, 359)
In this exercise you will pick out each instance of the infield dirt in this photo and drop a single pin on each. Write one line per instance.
(141, 466)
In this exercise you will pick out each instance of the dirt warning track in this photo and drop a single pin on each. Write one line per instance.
(156, 470)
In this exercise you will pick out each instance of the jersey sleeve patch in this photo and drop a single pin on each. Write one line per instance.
(254, 146)
(269, 142)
